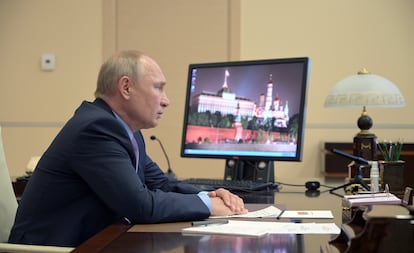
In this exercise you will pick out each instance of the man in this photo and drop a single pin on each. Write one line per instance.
(92, 176)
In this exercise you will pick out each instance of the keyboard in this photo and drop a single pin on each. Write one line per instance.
(231, 185)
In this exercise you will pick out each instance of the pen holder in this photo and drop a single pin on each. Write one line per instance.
(392, 173)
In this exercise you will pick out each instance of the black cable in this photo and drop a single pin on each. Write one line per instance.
(302, 185)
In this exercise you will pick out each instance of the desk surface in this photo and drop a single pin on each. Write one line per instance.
(167, 237)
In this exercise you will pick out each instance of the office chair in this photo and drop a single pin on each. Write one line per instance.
(8, 208)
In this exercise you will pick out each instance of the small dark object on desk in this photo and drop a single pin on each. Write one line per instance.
(312, 185)
(231, 185)
(208, 222)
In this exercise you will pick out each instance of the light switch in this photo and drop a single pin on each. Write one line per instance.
(48, 62)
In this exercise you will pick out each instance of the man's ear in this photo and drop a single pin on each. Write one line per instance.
(123, 86)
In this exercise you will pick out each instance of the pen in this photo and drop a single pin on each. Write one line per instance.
(280, 214)
(208, 222)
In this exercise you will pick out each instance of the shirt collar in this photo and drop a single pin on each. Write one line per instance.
(129, 131)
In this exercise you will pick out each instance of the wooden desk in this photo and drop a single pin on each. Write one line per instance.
(168, 238)
(156, 241)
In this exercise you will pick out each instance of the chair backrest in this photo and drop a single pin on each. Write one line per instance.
(8, 201)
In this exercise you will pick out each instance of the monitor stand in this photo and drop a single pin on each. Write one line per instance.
(247, 169)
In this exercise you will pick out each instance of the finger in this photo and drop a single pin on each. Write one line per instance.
(234, 202)
(212, 194)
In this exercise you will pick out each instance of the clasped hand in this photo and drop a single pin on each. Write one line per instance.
(223, 202)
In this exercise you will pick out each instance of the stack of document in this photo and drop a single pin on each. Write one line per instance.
(274, 212)
(259, 228)
(216, 224)
(370, 199)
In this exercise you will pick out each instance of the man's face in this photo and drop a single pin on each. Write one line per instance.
(148, 98)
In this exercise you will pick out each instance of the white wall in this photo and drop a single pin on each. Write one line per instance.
(33, 103)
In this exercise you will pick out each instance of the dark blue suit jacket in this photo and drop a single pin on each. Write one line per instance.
(86, 180)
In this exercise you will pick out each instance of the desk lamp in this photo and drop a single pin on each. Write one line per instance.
(364, 90)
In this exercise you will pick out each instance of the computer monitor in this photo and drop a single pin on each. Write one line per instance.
(249, 113)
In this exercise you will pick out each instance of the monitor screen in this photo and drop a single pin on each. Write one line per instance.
(249, 110)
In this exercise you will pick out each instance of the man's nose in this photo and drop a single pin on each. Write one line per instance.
(165, 101)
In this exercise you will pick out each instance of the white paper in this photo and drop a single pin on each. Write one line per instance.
(307, 214)
(370, 199)
(259, 228)
(368, 195)
(270, 211)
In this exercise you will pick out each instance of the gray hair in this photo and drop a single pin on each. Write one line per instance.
(124, 63)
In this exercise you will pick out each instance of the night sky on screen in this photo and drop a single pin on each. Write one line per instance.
(251, 81)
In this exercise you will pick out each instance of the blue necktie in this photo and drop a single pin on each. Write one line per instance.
(136, 150)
